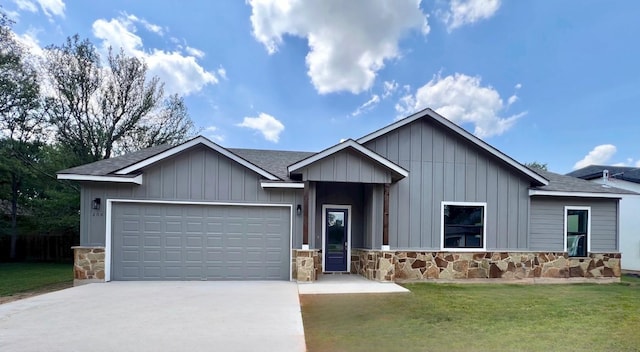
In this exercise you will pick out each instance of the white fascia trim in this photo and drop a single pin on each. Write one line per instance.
(109, 211)
(484, 227)
(192, 143)
(76, 177)
(353, 144)
(296, 185)
(461, 131)
(535, 192)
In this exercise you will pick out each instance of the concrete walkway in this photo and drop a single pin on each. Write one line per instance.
(346, 283)
(157, 316)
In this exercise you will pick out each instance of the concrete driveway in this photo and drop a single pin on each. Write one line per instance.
(157, 316)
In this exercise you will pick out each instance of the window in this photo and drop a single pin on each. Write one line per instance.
(577, 225)
(463, 226)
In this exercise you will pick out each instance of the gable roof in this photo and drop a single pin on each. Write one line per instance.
(351, 144)
(563, 185)
(125, 168)
(591, 172)
(428, 113)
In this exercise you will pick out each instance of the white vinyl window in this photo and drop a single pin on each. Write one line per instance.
(464, 226)
(577, 231)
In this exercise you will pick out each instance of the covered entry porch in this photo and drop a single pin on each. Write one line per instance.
(345, 209)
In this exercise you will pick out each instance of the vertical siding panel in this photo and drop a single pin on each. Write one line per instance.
(224, 178)
(427, 142)
(327, 168)
(460, 183)
(438, 146)
(512, 211)
(392, 147)
(449, 181)
(154, 184)
(471, 176)
(182, 177)
(168, 180)
(343, 162)
(404, 195)
(449, 149)
(197, 174)
(404, 147)
(503, 210)
(481, 179)
(237, 183)
(428, 203)
(211, 176)
(415, 206)
(416, 141)
(438, 197)
(492, 206)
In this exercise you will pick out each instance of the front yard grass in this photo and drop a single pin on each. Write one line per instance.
(478, 317)
(30, 278)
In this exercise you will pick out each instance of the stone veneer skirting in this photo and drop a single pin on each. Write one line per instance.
(88, 264)
(307, 264)
(416, 266)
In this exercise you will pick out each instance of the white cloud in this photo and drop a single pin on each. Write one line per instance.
(518, 86)
(26, 5)
(266, 124)
(194, 52)
(180, 71)
(349, 41)
(463, 12)
(52, 7)
(213, 133)
(461, 99)
(148, 25)
(598, 156)
(512, 99)
(367, 105)
(390, 87)
(222, 72)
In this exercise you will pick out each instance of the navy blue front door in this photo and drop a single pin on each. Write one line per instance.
(336, 244)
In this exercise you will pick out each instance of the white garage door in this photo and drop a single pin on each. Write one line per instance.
(199, 242)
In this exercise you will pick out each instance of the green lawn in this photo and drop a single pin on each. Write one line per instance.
(25, 277)
(477, 317)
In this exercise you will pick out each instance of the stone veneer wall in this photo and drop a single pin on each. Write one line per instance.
(88, 264)
(307, 264)
(414, 266)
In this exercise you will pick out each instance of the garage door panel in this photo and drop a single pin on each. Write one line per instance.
(196, 242)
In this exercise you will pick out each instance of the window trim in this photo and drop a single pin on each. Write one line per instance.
(564, 235)
(484, 226)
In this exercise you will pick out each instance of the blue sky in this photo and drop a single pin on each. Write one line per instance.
(548, 81)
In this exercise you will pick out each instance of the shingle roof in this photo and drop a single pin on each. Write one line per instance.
(626, 173)
(274, 161)
(111, 165)
(564, 183)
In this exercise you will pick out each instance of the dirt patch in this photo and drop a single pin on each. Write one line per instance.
(39, 291)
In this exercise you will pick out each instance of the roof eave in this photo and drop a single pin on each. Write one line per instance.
(538, 192)
(191, 143)
(349, 143)
(97, 178)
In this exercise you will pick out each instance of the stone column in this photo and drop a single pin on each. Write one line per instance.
(88, 265)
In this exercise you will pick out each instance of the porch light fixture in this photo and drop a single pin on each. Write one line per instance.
(95, 204)
(299, 209)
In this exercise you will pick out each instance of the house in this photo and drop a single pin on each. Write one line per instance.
(626, 178)
(419, 199)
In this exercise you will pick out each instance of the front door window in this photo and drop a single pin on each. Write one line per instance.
(336, 239)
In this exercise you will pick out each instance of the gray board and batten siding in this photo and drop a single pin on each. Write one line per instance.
(547, 223)
(346, 165)
(446, 167)
(195, 175)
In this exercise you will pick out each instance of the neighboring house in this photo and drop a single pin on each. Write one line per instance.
(626, 178)
(419, 199)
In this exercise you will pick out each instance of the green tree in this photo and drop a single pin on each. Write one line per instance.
(21, 123)
(101, 110)
(536, 165)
